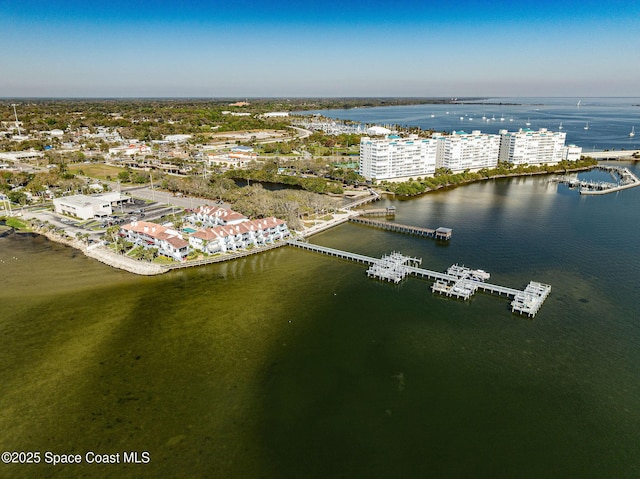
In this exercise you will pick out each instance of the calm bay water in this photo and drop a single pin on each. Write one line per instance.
(609, 119)
(291, 364)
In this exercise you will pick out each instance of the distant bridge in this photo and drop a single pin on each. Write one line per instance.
(613, 155)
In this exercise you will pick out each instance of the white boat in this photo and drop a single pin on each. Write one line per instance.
(633, 131)
(502, 118)
(578, 104)
(560, 127)
(586, 127)
(479, 275)
(528, 123)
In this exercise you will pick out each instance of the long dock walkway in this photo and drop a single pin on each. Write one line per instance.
(440, 233)
(527, 301)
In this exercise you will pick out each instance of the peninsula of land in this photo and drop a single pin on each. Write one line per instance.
(148, 186)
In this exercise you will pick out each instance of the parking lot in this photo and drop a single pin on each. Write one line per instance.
(137, 210)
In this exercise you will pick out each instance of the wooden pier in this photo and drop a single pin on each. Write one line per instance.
(439, 233)
(462, 284)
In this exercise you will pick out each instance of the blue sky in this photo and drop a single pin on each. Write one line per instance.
(245, 48)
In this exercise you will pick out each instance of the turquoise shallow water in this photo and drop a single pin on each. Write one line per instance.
(292, 364)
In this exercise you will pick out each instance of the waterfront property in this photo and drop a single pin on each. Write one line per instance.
(529, 147)
(398, 159)
(395, 158)
(88, 206)
(462, 151)
(151, 235)
(221, 239)
(215, 216)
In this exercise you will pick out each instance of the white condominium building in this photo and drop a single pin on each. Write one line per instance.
(398, 159)
(462, 151)
(572, 153)
(528, 147)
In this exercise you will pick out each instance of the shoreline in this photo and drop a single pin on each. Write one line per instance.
(106, 256)
(144, 268)
(493, 177)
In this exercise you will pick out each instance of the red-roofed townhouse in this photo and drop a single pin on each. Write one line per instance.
(216, 216)
(221, 239)
(150, 235)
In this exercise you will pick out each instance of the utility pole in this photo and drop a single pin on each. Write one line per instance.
(120, 198)
(16, 115)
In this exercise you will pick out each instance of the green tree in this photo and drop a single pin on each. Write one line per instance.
(18, 197)
(124, 176)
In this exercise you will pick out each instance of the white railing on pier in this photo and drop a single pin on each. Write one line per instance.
(412, 270)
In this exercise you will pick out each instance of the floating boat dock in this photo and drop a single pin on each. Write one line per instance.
(392, 267)
(439, 233)
(459, 281)
(530, 300)
(623, 178)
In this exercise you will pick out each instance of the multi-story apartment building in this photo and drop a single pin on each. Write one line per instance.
(395, 158)
(462, 151)
(529, 147)
(221, 239)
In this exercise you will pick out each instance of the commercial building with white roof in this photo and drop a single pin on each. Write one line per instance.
(88, 206)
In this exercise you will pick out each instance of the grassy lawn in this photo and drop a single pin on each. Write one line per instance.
(163, 260)
(96, 170)
(16, 223)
